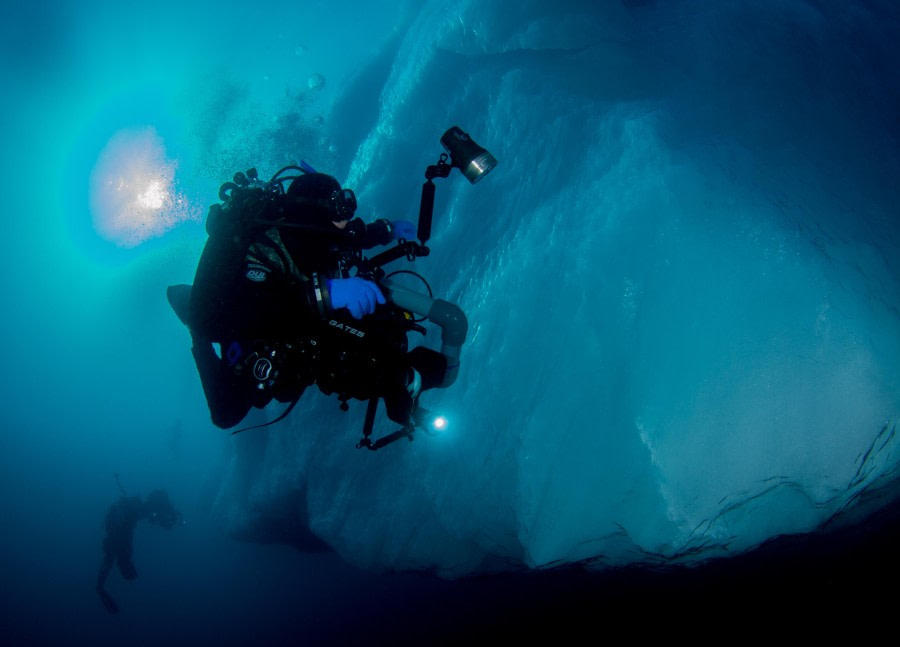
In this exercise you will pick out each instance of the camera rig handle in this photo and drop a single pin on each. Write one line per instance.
(426, 206)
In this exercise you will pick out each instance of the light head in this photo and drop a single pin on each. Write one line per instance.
(474, 161)
(430, 422)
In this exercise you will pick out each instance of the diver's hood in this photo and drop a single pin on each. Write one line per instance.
(319, 196)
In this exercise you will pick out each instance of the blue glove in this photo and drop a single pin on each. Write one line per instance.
(356, 294)
(403, 229)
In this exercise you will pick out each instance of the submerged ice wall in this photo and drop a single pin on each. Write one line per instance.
(681, 284)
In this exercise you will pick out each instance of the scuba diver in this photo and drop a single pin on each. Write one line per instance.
(120, 522)
(283, 298)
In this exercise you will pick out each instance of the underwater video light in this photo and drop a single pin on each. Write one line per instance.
(474, 161)
(429, 421)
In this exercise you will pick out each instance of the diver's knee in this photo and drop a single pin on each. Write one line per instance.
(431, 366)
(129, 572)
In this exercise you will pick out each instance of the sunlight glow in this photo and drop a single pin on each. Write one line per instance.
(133, 193)
(154, 197)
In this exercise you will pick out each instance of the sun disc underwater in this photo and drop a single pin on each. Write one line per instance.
(133, 190)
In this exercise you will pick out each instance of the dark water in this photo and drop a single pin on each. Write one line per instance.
(196, 588)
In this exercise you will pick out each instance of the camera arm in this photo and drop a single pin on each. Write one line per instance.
(426, 206)
(408, 248)
(474, 162)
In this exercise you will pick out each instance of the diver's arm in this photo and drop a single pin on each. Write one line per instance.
(372, 234)
(284, 306)
(271, 299)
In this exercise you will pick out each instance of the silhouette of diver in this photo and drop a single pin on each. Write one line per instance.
(120, 523)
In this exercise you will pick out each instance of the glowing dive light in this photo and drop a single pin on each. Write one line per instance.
(430, 422)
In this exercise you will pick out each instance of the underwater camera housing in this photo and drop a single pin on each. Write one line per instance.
(474, 162)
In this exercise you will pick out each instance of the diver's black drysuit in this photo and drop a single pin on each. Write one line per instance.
(269, 313)
(120, 522)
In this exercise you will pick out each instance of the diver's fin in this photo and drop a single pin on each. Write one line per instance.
(108, 601)
(179, 297)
